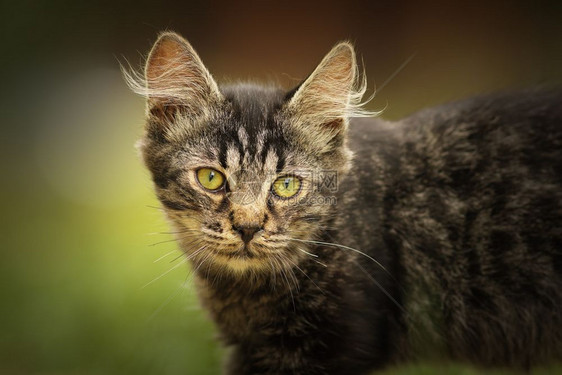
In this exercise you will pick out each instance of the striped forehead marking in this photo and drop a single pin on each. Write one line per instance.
(260, 141)
(233, 156)
(271, 160)
(243, 137)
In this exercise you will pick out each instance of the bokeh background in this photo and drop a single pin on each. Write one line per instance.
(90, 283)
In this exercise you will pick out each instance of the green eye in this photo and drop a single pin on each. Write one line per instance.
(286, 186)
(210, 179)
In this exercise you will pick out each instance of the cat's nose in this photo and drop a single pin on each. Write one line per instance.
(247, 232)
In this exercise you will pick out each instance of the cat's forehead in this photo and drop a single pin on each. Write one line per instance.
(250, 134)
(252, 104)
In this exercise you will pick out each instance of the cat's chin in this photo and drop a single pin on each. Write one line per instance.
(240, 265)
(246, 259)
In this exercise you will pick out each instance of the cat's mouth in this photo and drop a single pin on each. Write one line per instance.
(246, 251)
(241, 252)
(242, 258)
(254, 256)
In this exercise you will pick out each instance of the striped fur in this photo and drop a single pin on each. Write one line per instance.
(442, 237)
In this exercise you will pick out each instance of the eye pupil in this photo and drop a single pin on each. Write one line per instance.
(286, 186)
(210, 179)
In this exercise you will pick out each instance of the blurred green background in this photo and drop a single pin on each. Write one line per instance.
(89, 281)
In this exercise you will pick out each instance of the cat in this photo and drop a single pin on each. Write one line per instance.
(326, 241)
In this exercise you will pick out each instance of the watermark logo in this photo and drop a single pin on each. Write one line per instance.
(249, 186)
(327, 180)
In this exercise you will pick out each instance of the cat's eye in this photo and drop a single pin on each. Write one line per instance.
(286, 186)
(210, 179)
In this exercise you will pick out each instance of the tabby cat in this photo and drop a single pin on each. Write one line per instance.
(327, 242)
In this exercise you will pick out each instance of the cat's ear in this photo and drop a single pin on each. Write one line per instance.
(329, 95)
(177, 79)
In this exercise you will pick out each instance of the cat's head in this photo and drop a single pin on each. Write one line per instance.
(245, 173)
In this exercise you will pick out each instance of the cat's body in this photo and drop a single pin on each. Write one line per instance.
(469, 199)
(441, 236)
(455, 215)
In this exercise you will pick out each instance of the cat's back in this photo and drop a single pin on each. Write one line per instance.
(472, 203)
(503, 126)
(497, 155)
(498, 146)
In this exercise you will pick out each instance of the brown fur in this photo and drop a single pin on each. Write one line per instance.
(443, 230)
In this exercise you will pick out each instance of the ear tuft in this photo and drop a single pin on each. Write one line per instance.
(174, 77)
(333, 92)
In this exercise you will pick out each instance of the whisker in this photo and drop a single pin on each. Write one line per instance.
(391, 276)
(382, 289)
(178, 257)
(213, 234)
(284, 275)
(355, 250)
(164, 274)
(203, 261)
(226, 244)
(172, 240)
(185, 230)
(343, 247)
(313, 255)
(172, 295)
(198, 251)
(290, 291)
(154, 207)
(304, 273)
(176, 266)
(306, 252)
(273, 273)
(164, 256)
(294, 278)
